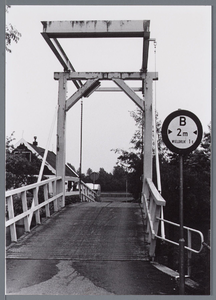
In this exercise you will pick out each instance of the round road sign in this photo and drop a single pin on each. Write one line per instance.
(182, 131)
(94, 176)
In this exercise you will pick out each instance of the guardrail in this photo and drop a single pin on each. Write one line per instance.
(152, 210)
(87, 194)
(29, 202)
(189, 239)
(33, 206)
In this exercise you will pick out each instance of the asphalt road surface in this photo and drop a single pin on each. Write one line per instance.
(86, 249)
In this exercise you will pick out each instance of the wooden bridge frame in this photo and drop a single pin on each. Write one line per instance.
(52, 32)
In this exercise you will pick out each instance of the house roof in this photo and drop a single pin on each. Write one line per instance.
(50, 160)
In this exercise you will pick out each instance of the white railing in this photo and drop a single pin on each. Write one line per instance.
(188, 245)
(49, 194)
(189, 238)
(152, 210)
(87, 194)
(28, 200)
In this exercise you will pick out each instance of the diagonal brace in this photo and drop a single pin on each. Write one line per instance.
(83, 91)
(128, 91)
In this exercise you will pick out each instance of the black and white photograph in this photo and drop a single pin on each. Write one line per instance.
(108, 130)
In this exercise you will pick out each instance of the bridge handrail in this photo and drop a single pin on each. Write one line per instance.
(149, 220)
(48, 185)
(158, 199)
(189, 229)
(30, 186)
(153, 202)
(152, 206)
(87, 194)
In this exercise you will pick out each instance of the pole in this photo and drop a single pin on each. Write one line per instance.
(80, 169)
(181, 239)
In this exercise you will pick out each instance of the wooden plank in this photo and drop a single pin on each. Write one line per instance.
(116, 89)
(81, 92)
(145, 54)
(102, 75)
(61, 123)
(31, 186)
(69, 64)
(53, 48)
(37, 212)
(158, 199)
(96, 29)
(45, 199)
(25, 208)
(11, 216)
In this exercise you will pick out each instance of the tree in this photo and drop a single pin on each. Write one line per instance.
(132, 164)
(119, 179)
(89, 171)
(19, 170)
(132, 161)
(105, 180)
(11, 34)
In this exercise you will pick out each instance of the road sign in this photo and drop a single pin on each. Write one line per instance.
(94, 176)
(182, 131)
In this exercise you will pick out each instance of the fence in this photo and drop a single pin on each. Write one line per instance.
(31, 203)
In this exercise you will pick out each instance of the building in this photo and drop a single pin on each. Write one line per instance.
(22, 147)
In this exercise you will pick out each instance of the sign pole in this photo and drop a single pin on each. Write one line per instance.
(181, 239)
(80, 170)
(181, 133)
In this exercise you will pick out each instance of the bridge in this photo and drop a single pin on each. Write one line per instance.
(92, 247)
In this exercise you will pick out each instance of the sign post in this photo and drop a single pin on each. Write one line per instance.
(181, 133)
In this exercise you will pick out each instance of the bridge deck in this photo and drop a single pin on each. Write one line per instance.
(87, 248)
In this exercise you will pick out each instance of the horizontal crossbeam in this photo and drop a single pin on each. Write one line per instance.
(94, 29)
(103, 75)
(115, 89)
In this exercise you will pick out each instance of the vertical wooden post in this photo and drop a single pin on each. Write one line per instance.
(147, 159)
(61, 123)
(11, 216)
(45, 199)
(35, 199)
(155, 215)
(25, 208)
(54, 184)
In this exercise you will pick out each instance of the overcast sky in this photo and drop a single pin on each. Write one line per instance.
(183, 61)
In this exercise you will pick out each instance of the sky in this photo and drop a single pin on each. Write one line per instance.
(182, 60)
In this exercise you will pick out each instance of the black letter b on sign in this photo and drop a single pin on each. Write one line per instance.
(182, 121)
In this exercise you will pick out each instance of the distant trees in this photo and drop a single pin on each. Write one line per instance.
(110, 182)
